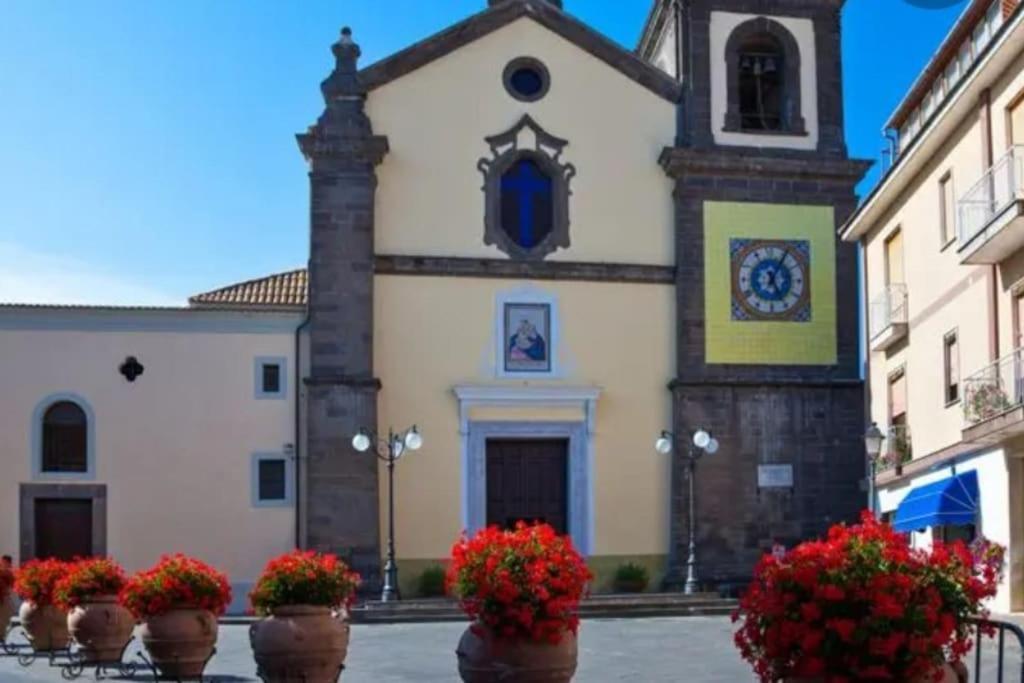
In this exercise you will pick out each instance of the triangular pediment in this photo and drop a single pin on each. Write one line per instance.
(503, 14)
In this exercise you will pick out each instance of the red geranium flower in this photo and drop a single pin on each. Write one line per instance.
(36, 579)
(88, 578)
(176, 581)
(524, 584)
(863, 605)
(304, 578)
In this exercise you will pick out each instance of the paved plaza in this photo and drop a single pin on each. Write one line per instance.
(693, 649)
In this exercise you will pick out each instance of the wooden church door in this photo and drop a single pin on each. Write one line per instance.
(527, 479)
(63, 528)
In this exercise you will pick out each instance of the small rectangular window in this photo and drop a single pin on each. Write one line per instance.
(951, 361)
(271, 378)
(272, 485)
(947, 209)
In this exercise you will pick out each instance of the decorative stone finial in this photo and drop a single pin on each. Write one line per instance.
(343, 135)
(344, 80)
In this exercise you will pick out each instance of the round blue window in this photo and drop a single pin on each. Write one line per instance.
(526, 79)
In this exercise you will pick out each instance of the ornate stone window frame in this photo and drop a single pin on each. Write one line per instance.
(580, 434)
(547, 152)
(526, 63)
(792, 112)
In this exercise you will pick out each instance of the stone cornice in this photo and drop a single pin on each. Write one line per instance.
(535, 270)
(494, 18)
(370, 150)
(344, 381)
(766, 382)
(680, 162)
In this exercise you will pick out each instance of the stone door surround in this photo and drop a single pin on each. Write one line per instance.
(29, 493)
(473, 447)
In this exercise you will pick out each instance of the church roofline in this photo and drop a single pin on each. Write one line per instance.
(653, 26)
(500, 15)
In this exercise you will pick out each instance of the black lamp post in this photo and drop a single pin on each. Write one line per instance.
(872, 448)
(701, 442)
(390, 452)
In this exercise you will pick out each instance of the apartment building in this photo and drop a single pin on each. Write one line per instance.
(943, 266)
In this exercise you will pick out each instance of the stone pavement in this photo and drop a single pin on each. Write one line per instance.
(690, 649)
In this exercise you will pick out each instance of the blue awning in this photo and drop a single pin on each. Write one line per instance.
(950, 501)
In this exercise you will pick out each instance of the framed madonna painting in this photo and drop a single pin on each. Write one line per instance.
(527, 337)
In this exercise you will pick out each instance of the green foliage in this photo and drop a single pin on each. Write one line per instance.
(631, 578)
(431, 582)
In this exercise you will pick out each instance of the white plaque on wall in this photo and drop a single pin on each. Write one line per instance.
(775, 476)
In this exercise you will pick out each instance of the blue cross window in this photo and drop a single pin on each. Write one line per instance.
(527, 209)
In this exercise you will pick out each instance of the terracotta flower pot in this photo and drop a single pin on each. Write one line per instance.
(300, 643)
(7, 611)
(486, 659)
(180, 642)
(46, 627)
(102, 628)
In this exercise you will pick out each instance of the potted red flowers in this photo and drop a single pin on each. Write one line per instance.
(88, 593)
(7, 606)
(178, 602)
(303, 636)
(45, 624)
(522, 589)
(861, 605)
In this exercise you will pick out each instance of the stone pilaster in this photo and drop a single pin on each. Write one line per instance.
(341, 498)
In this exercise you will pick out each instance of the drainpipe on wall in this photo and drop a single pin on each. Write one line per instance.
(988, 158)
(298, 427)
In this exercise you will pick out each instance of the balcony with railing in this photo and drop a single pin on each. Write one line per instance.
(993, 401)
(990, 221)
(896, 450)
(888, 317)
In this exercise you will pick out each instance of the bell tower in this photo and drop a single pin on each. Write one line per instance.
(766, 293)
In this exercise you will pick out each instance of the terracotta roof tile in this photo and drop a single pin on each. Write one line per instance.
(279, 290)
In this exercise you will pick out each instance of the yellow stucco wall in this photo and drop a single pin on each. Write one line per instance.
(432, 333)
(429, 199)
(174, 448)
(747, 341)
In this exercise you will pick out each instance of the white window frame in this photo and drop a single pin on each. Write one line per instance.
(36, 439)
(282, 391)
(289, 480)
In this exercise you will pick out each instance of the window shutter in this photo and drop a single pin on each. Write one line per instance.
(898, 396)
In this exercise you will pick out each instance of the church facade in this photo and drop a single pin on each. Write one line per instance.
(542, 250)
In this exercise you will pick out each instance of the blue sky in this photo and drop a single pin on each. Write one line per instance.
(147, 149)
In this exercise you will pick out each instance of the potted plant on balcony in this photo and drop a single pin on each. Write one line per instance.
(7, 607)
(45, 624)
(863, 605)
(178, 602)
(985, 400)
(304, 598)
(521, 589)
(96, 621)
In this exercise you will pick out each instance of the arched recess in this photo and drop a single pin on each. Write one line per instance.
(762, 30)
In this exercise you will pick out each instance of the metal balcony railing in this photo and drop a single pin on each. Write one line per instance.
(888, 308)
(896, 450)
(1001, 185)
(994, 389)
